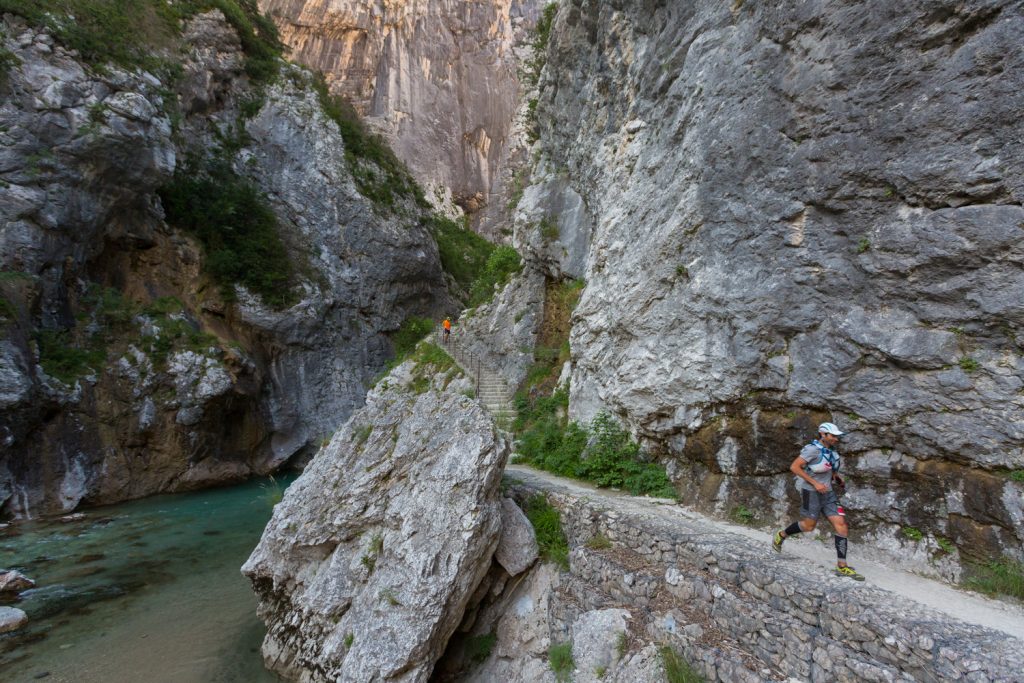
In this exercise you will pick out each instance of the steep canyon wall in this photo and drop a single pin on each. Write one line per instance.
(165, 383)
(786, 213)
(438, 78)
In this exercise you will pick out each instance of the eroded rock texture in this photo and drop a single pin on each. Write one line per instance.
(371, 558)
(83, 157)
(796, 211)
(437, 77)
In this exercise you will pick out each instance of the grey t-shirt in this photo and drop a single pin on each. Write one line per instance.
(815, 454)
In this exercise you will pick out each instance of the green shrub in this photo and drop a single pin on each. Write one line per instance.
(1017, 475)
(478, 648)
(549, 229)
(545, 440)
(362, 434)
(547, 525)
(677, 669)
(464, 254)
(175, 334)
(379, 175)
(63, 358)
(561, 662)
(540, 42)
(236, 226)
(599, 542)
(431, 360)
(131, 33)
(257, 33)
(912, 533)
(349, 639)
(1002, 577)
(501, 265)
(411, 332)
(863, 245)
(743, 515)
(968, 364)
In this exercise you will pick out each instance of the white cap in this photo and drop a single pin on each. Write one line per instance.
(829, 428)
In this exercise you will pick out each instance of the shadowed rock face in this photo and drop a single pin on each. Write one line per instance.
(84, 156)
(437, 77)
(794, 212)
(368, 563)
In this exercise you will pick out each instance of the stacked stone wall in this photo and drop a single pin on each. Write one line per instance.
(741, 613)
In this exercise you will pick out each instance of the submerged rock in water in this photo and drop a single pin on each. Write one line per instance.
(13, 580)
(11, 619)
(369, 561)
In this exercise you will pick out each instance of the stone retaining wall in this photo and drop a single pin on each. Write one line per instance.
(741, 613)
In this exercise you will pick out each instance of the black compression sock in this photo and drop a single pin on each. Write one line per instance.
(793, 529)
(841, 547)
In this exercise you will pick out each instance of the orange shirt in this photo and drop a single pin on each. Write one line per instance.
(447, 324)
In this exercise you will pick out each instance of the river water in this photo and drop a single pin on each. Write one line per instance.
(142, 591)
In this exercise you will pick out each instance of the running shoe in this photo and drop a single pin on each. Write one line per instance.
(849, 572)
(777, 542)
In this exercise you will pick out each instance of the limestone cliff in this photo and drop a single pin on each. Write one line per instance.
(791, 212)
(126, 369)
(439, 78)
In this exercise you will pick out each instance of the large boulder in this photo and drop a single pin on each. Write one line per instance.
(368, 563)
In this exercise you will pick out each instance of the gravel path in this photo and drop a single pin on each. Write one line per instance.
(969, 607)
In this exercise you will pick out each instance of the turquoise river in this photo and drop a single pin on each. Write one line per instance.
(142, 591)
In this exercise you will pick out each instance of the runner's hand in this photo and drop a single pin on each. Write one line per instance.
(819, 487)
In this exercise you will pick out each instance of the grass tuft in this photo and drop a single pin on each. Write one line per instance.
(478, 648)
(561, 662)
(547, 525)
(677, 669)
(1001, 577)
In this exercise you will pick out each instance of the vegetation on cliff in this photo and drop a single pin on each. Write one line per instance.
(236, 226)
(601, 452)
(380, 175)
(138, 33)
(107, 323)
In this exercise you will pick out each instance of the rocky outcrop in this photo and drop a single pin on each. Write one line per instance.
(182, 388)
(503, 332)
(439, 78)
(794, 212)
(368, 563)
(645, 581)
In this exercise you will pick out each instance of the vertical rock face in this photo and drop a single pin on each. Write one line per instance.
(802, 211)
(84, 154)
(369, 561)
(437, 77)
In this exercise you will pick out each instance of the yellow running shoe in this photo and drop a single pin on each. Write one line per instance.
(849, 572)
(777, 540)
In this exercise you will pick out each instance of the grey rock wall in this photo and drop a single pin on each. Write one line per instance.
(84, 154)
(800, 211)
(439, 78)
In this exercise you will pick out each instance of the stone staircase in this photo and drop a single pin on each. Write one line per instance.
(492, 390)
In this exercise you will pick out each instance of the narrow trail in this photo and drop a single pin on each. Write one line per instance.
(964, 606)
(972, 608)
